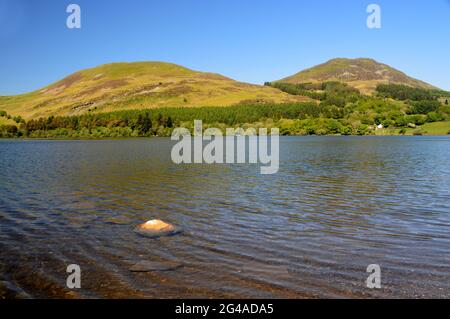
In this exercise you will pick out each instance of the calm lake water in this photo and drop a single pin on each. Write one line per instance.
(337, 205)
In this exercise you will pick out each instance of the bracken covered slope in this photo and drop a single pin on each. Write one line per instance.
(138, 85)
(363, 74)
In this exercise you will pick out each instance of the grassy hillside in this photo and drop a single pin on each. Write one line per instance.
(363, 74)
(141, 85)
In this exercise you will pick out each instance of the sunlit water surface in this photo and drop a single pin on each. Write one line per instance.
(337, 205)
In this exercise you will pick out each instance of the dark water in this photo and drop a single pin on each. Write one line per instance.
(337, 205)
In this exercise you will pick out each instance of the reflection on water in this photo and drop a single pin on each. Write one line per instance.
(337, 205)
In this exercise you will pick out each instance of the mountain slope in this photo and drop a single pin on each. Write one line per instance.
(363, 74)
(139, 85)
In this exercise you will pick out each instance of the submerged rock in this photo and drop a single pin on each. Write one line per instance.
(148, 266)
(156, 228)
(156, 225)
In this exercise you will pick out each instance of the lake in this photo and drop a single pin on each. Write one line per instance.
(337, 205)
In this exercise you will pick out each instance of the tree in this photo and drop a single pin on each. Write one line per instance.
(18, 119)
(169, 122)
(11, 129)
(143, 124)
(404, 92)
(425, 106)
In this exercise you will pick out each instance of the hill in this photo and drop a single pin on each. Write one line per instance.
(363, 74)
(139, 85)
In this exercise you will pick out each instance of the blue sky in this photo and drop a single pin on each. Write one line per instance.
(248, 40)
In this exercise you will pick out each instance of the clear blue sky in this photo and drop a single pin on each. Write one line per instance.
(248, 40)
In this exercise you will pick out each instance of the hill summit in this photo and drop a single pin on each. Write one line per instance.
(363, 74)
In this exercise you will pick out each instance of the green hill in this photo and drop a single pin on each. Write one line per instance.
(140, 85)
(363, 74)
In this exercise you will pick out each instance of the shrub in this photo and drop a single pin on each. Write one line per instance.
(416, 119)
(9, 131)
(434, 117)
(425, 106)
(18, 119)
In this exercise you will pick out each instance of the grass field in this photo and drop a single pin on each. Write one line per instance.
(436, 128)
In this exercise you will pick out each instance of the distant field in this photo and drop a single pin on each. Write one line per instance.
(436, 128)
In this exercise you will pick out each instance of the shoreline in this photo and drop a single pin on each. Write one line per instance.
(168, 137)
